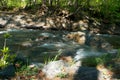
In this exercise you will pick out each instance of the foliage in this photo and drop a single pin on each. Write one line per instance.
(49, 59)
(5, 57)
(62, 75)
(94, 61)
(107, 8)
(26, 71)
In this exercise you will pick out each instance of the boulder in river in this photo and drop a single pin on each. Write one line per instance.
(77, 36)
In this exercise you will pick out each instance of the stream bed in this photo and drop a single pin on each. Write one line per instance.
(38, 44)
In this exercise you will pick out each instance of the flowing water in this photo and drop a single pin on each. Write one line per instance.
(39, 44)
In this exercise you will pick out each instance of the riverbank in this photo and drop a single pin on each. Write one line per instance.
(58, 19)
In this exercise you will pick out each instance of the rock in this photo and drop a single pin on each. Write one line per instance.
(54, 68)
(2, 23)
(47, 35)
(26, 44)
(44, 36)
(104, 73)
(7, 72)
(81, 25)
(77, 36)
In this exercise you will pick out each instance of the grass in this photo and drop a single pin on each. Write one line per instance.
(27, 71)
(62, 75)
(48, 59)
(105, 59)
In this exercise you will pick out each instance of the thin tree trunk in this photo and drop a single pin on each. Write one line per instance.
(50, 2)
(57, 2)
(75, 4)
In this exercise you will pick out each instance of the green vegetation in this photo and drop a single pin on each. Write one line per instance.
(62, 75)
(109, 60)
(5, 57)
(48, 59)
(27, 71)
(94, 61)
(106, 9)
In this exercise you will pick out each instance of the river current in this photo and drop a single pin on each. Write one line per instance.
(39, 44)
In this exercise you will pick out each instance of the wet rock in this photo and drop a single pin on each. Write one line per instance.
(41, 38)
(47, 35)
(77, 36)
(26, 44)
(7, 72)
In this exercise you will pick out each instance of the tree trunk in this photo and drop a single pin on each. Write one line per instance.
(75, 4)
(50, 2)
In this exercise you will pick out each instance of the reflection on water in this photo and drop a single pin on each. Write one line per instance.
(35, 44)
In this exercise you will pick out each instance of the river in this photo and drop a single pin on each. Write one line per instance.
(36, 45)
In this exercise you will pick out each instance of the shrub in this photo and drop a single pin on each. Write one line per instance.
(5, 57)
